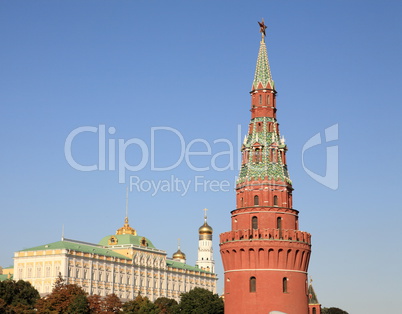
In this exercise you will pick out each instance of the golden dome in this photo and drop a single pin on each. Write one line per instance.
(126, 229)
(179, 255)
(205, 229)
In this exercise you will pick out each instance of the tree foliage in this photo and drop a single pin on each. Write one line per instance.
(17, 296)
(79, 304)
(95, 303)
(200, 301)
(140, 305)
(333, 310)
(112, 304)
(21, 297)
(166, 305)
(63, 299)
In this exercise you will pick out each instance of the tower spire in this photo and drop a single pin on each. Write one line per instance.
(126, 205)
(262, 77)
(126, 229)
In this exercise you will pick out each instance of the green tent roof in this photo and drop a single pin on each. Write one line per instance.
(312, 297)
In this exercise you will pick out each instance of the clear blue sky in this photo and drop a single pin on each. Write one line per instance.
(189, 65)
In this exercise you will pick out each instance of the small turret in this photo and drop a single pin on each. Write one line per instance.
(314, 307)
(179, 256)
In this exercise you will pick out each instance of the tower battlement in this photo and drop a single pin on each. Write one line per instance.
(266, 234)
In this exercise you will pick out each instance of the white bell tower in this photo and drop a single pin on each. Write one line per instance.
(205, 251)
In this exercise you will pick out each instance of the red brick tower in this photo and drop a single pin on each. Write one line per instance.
(265, 256)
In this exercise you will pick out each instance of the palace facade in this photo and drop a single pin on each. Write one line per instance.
(124, 264)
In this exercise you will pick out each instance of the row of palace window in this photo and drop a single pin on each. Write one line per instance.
(30, 273)
(254, 222)
(253, 284)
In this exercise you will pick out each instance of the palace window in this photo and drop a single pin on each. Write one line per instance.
(253, 284)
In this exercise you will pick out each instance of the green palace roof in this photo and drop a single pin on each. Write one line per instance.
(181, 265)
(5, 277)
(76, 246)
(126, 239)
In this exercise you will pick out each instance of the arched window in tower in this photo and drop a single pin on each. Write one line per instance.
(260, 101)
(285, 285)
(257, 155)
(256, 200)
(259, 127)
(275, 200)
(279, 223)
(253, 284)
(254, 222)
(268, 100)
(241, 202)
(246, 156)
(314, 310)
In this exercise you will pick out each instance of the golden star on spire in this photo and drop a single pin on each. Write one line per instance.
(263, 27)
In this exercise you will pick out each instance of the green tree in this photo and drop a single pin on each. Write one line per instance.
(63, 299)
(200, 301)
(140, 305)
(112, 304)
(166, 305)
(79, 304)
(333, 310)
(17, 296)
